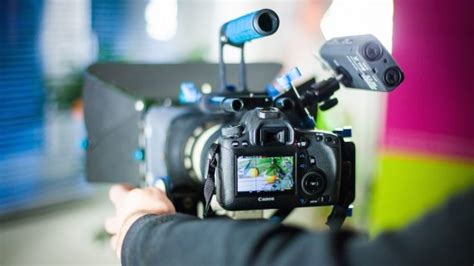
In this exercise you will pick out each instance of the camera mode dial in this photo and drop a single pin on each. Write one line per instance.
(232, 131)
(313, 183)
(372, 51)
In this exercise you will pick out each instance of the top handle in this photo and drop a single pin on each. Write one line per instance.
(252, 26)
(237, 32)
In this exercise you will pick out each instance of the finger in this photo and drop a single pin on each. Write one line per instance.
(112, 225)
(118, 192)
(113, 242)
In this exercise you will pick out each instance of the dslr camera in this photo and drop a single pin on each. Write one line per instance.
(251, 149)
(266, 163)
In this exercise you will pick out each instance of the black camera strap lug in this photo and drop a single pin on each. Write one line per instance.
(210, 183)
(337, 217)
(343, 208)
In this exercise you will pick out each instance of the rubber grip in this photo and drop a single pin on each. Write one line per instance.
(252, 26)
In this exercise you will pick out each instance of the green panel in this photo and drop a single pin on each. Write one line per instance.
(409, 185)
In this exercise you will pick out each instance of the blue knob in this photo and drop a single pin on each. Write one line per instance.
(347, 132)
(271, 90)
(139, 155)
(189, 93)
(286, 80)
(84, 144)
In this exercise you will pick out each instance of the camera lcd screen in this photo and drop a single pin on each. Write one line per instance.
(265, 174)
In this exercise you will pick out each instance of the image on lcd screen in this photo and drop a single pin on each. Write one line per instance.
(264, 174)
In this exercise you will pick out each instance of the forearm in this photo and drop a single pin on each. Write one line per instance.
(444, 237)
(184, 240)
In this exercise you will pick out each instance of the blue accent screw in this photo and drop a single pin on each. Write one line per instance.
(286, 80)
(139, 155)
(189, 93)
(84, 144)
(294, 73)
(271, 90)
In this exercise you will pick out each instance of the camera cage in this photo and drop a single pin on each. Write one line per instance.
(305, 99)
(300, 105)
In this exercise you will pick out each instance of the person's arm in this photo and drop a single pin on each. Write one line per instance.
(147, 231)
(184, 240)
(444, 237)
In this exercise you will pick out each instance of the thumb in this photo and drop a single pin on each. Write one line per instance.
(118, 192)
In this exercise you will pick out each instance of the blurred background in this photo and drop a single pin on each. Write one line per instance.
(415, 146)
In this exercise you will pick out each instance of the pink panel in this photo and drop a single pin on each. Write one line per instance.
(433, 111)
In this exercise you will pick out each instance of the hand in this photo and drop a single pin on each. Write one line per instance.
(130, 205)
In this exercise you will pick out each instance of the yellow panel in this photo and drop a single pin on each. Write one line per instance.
(408, 185)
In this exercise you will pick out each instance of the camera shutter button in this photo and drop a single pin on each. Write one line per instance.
(303, 143)
(268, 113)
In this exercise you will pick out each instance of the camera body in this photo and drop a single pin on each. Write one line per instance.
(265, 163)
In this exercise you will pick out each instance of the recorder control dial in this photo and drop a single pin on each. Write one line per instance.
(313, 183)
(373, 51)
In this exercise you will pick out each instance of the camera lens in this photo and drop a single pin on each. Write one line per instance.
(372, 51)
(393, 76)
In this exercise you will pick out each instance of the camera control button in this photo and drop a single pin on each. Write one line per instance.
(319, 138)
(372, 51)
(303, 143)
(326, 198)
(245, 143)
(301, 155)
(235, 144)
(313, 183)
(312, 160)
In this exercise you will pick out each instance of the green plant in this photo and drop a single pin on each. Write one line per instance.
(65, 91)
